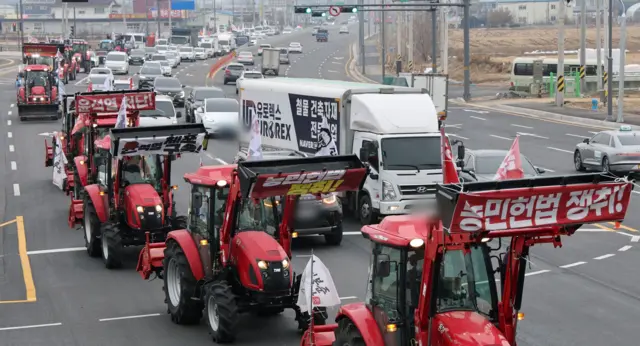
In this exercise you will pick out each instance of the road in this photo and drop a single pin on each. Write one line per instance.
(52, 293)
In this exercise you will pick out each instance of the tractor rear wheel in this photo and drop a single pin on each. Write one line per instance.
(179, 222)
(319, 318)
(347, 334)
(179, 286)
(111, 246)
(221, 312)
(91, 227)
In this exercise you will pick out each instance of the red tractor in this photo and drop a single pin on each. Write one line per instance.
(234, 255)
(38, 96)
(131, 198)
(432, 280)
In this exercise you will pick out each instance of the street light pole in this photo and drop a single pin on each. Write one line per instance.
(623, 46)
(610, 65)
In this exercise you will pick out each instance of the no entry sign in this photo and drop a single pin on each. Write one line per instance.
(334, 11)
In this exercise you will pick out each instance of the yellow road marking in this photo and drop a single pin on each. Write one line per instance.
(24, 263)
(604, 228)
(7, 223)
(625, 227)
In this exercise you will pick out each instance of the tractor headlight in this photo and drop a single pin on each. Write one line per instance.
(329, 199)
(262, 265)
(285, 263)
(139, 209)
(158, 208)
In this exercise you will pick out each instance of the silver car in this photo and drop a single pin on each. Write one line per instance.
(609, 151)
(173, 58)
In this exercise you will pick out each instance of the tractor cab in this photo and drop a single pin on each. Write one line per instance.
(106, 45)
(433, 279)
(38, 96)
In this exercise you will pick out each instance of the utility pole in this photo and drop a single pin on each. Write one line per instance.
(623, 46)
(606, 32)
(444, 41)
(21, 26)
(599, 42)
(467, 59)
(363, 53)
(560, 79)
(233, 13)
(610, 65)
(170, 15)
(583, 42)
(64, 21)
(399, 39)
(383, 15)
(254, 12)
(434, 41)
(410, 53)
(75, 27)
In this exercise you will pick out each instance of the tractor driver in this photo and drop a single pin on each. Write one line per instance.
(136, 171)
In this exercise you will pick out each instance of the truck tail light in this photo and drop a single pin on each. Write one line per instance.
(227, 73)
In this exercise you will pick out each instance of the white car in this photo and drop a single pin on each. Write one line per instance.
(101, 70)
(201, 53)
(164, 114)
(295, 47)
(208, 48)
(101, 82)
(247, 75)
(164, 63)
(187, 53)
(262, 47)
(173, 58)
(123, 84)
(245, 58)
(344, 29)
(287, 30)
(253, 40)
(219, 116)
(118, 62)
(162, 48)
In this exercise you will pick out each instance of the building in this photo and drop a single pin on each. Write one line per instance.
(537, 12)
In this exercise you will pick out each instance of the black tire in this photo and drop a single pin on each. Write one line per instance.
(93, 243)
(347, 334)
(319, 318)
(577, 162)
(179, 222)
(188, 311)
(225, 82)
(366, 214)
(335, 237)
(112, 243)
(605, 165)
(220, 298)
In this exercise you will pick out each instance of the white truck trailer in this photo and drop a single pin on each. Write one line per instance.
(394, 129)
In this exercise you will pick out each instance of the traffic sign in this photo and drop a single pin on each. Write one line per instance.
(334, 11)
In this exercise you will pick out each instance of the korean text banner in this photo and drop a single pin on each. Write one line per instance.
(309, 182)
(163, 145)
(110, 103)
(540, 207)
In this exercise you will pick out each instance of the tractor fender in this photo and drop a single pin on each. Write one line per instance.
(190, 249)
(99, 201)
(82, 168)
(362, 318)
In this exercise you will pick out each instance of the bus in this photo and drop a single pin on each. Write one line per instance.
(522, 70)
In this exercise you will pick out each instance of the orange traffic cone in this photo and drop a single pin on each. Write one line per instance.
(617, 225)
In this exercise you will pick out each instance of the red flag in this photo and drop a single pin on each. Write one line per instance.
(511, 166)
(449, 171)
(90, 87)
(131, 83)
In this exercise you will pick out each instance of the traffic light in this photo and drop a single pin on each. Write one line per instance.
(73, 31)
(318, 14)
(348, 9)
(306, 10)
(14, 27)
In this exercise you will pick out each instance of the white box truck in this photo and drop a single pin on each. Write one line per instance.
(227, 43)
(394, 129)
(270, 61)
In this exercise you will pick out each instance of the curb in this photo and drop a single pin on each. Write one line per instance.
(352, 71)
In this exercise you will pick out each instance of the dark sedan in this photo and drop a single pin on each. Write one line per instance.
(136, 57)
(196, 99)
(171, 87)
(147, 76)
(232, 72)
(482, 165)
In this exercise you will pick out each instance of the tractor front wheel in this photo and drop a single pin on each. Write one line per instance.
(221, 312)
(179, 286)
(91, 226)
(111, 246)
(347, 334)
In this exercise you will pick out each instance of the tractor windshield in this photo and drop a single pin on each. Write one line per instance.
(464, 283)
(145, 169)
(39, 60)
(37, 78)
(257, 215)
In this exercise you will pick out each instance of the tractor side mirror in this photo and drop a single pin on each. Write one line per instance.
(196, 200)
(383, 266)
(540, 170)
(179, 115)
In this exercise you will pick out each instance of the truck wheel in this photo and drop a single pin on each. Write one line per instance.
(221, 312)
(111, 246)
(335, 237)
(347, 334)
(366, 214)
(178, 284)
(91, 226)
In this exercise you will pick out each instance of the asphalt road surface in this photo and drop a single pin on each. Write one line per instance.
(52, 293)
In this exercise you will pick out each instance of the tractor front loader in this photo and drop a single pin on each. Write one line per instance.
(234, 255)
(432, 280)
(131, 199)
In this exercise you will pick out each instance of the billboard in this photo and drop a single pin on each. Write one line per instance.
(189, 5)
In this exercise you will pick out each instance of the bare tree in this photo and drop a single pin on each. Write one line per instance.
(499, 17)
(422, 36)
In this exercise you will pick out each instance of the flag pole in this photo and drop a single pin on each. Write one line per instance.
(311, 338)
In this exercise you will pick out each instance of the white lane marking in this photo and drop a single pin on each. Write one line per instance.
(8, 122)
(476, 111)
(9, 112)
(635, 238)
(82, 81)
(452, 135)
(9, 134)
(547, 169)
(531, 135)
(453, 125)
(32, 326)
(524, 127)
(475, 117)
(537, 272)
(604, 256)
(337, 63)
(332, 71)
(577, 136)
(13, 105)
(43, 252)
(593, 132)
(11, 148)
(14, 166)
(500, 137)
(348, 298)
(560, 150)
(625, 248)
(572, 265)
(16, 189)
(127, 317)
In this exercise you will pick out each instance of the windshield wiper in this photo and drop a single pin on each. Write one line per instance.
(431, 165)
(403, 165)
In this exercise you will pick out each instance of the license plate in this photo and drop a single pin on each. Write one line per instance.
(276, 270)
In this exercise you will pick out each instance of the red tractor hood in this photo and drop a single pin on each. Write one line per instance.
(259, 245)
(468, 328)
(37, 90)
(143, 195)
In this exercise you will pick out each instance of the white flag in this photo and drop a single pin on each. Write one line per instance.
(255, 144)
(106, 86)
(324, 290)
(59, 162)
(326, 145)
(61, 91)
(121, 120)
